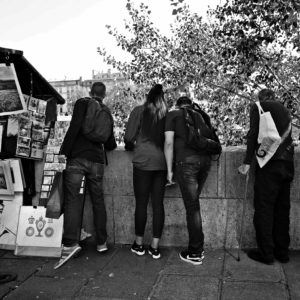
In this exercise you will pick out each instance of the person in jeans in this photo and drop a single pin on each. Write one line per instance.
(84, 159)
(145, 135)
(272, 184)
(191, 172)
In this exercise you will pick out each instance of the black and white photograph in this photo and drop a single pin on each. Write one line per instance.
(22, 151)
(6, 181)
(12, 125)
(38, 118)
(11, 97)
(1, 134)
(166, 135)
(24, 141)
(25, 121)
(47, 180)
(42, 107)
(16, 171)
(37, 134)
(33, 104)
(37, 150)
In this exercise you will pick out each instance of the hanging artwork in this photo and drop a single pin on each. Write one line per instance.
(11, 97)
(6, 182)
(1, 135)
(29, 128)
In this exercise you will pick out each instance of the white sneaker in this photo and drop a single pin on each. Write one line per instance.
(102, 248)
(66, 254)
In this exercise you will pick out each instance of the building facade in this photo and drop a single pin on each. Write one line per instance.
(71, 90)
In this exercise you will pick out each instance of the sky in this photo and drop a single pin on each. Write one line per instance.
(60, 37)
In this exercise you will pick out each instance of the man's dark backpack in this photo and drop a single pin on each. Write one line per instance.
(98, 124)
(201, 136)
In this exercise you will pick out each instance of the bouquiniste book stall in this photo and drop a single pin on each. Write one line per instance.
(28, 105)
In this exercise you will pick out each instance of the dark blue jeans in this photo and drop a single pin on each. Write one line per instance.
(272, 207)
(76, 168)
(149, 184)
(191, 174)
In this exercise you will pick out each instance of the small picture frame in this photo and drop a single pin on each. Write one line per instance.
(6, 182)
(24, 141)
(47, 180)
(16, 169)
(1, 135)
(33, 104)
(23, 151)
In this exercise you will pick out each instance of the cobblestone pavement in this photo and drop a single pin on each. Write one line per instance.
(120, 274)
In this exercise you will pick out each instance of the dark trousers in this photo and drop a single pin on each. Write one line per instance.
(149, 184)
(74, 204)
(191, 174)
(272, 207)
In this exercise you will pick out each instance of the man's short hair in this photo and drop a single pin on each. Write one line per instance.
(183, 101)
(98, 89)
(266, 95)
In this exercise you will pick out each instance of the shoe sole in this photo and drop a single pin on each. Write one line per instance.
(153, 256)
(102, 250)
(196, 263)
(137, 253)
(74, 252)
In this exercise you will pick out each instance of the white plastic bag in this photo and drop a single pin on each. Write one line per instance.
(268, 137)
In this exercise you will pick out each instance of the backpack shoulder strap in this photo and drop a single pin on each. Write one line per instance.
(260, 110)
(286, 133)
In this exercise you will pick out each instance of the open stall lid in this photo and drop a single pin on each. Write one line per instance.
(30, 80)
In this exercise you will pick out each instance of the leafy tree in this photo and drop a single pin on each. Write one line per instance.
(121, 99)
(259, 43)
(242, 47)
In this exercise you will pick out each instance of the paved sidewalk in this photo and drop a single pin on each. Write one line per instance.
(119, 274)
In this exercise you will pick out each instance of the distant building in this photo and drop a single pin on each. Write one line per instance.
(71, 90)
(109, 78)
(68, 89)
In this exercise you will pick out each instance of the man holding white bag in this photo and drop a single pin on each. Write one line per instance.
(273, 175)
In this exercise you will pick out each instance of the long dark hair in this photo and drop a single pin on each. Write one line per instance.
(155, 110)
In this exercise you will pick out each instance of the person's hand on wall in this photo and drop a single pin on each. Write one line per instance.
(244, 169)
(170, 179)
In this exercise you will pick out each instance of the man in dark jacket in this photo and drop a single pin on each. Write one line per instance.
(272, 184)
(85, 158)
(192, 169)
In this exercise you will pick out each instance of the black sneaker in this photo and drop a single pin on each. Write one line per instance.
(257, 256)
(154, 252)
(138, 249)
(195, 259)
(282, 258)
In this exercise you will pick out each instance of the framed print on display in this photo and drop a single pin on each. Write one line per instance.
(1, 135)
(11, 97)
(16, 166)
(6, 183)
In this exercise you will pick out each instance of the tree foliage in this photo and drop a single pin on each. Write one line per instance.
(240, 48)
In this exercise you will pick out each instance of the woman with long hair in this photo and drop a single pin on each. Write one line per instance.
(145, 136)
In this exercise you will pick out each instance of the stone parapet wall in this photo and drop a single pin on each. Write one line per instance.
(221, 205)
